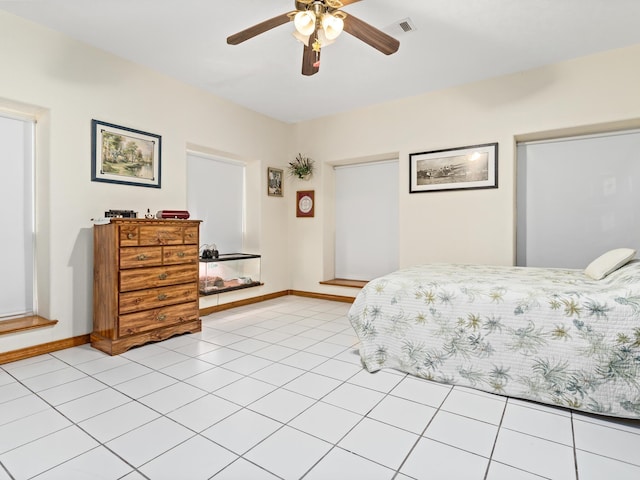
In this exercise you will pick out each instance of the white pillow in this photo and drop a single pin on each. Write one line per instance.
(609, 262)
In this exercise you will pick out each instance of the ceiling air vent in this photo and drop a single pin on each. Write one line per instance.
(399, 27)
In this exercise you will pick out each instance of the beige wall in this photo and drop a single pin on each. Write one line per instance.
(67, 84)
(475, 226)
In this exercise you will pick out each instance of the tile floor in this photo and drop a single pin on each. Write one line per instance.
(275, 390)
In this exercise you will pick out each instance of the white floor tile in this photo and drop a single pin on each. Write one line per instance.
(72, 390)
(357, 399)
(484, 408)
(221, 356)
(79, 354)
(102, 363)
(538, 423)
(535, 455)
(297, 342)
(213, 379)
(244, 470)
(423, 391)
(433, 460)
(93, 404)
(277, 374)
(245, 391)
(326, 422)
(47, 365)
(21, 407)
(47, 452)
(596, 467)
(242, 430)
(609, 442)
(313, 385)
(96, 463)
(249, 345)
(281, 405)
(30, 428)
(381, 381)
(187, 369)
(304, 360)
(478, 436)
(402, 413)
(118, 421)
(379, 442)
(122, 374)
(13, 390)
(203, 412)
(337, 369)
(340, 464)
(146, 384)
(195, 459)
(326, 349)
(500, 471)
(163, 359)
(288, 453)
(196, 348)
(172, 397)
(247, 364)
(53, 379)
(148, 441)
(275, 352)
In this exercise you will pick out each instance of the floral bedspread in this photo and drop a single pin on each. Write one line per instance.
(549, 335)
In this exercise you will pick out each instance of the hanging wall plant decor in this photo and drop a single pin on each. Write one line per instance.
(301, 167)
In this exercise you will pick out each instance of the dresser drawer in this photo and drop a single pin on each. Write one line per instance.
(133, 323)
(128, 235)
(156, 297)
(191, 234)
(135, 257)
(161, 234)
(143, 278)
(180, 254)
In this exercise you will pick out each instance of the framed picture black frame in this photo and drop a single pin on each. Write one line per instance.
(461, 168)
(124, 155)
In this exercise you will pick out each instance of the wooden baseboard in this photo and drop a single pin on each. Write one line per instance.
(36, 350)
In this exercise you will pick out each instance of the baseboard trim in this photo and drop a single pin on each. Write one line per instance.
(21, 354)
(36, 350)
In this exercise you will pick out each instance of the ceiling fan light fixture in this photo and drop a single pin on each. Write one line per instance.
(332, 26)
(305, 22)
(301, 38)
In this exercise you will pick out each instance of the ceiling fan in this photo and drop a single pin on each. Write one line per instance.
(318, 23)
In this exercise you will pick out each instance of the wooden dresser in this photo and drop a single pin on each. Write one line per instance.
(145, 282)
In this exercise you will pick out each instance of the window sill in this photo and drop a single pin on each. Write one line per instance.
(343, 282)
(24, 323)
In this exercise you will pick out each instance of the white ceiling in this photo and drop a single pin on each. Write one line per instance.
(455, 42)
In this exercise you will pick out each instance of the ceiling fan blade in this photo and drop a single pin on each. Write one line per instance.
(371, 35)
(259, 28)
(348, 2)
(310, 61)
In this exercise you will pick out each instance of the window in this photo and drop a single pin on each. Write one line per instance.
(215, 195)
(17, 290)
(367, 219)
(577, 198)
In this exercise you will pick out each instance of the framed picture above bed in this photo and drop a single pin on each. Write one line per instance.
(470, 167)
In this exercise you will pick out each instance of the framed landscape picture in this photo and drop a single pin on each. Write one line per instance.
(124, 155)
(471, 167)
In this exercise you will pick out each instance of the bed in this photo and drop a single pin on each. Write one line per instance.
(555, 336)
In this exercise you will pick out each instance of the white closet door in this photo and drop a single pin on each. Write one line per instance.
(367, 219)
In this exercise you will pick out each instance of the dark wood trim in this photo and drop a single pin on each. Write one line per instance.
(343, 282)
(14, 325)
(36, 350)
(323, 296)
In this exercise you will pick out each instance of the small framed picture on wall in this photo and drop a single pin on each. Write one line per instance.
(305, 203)
(274, 182)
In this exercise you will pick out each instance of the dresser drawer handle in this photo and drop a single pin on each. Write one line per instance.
(162, 296)
(131, 236)
(142, 256)
(181, 254)
(161, 318)
(163, 276)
